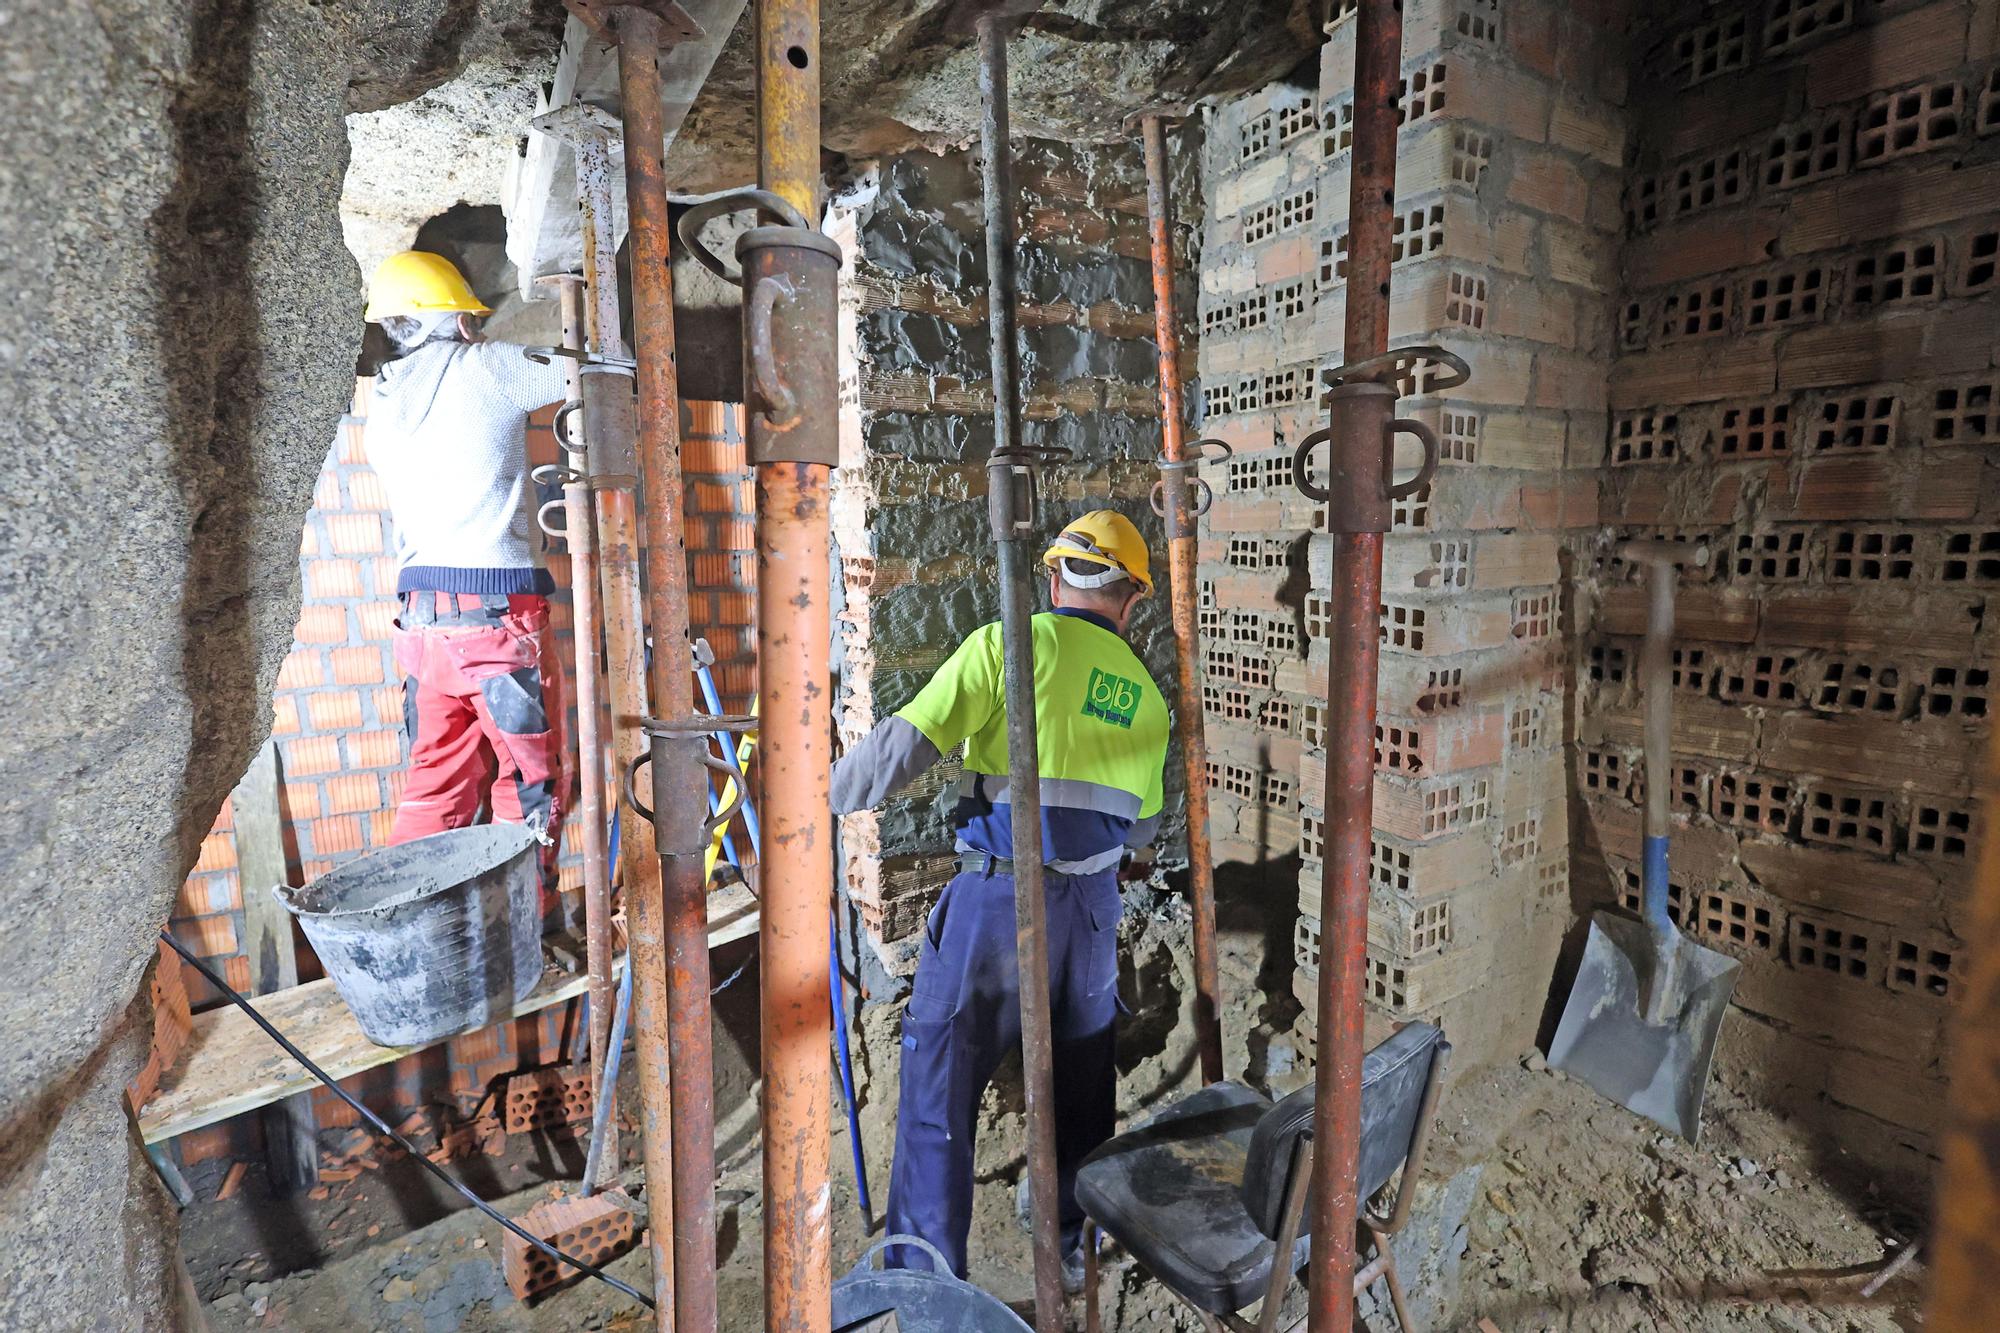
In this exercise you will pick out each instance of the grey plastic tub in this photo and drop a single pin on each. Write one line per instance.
(432, 937)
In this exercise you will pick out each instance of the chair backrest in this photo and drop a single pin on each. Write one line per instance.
(1393, 1078)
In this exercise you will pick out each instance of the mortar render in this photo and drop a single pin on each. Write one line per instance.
(177, 353)
(916, 547)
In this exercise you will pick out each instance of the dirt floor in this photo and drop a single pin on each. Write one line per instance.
(1572, 1214)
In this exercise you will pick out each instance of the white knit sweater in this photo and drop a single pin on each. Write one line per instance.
(447, 433)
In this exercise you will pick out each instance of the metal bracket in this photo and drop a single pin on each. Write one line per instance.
(1397, 365)
(621, 365)
(1180, 497)
(561, 427)
(580, 123)
(703, 209)
(555, 474)
(601, 17)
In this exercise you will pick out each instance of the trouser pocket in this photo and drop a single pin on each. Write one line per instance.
(930, 1059)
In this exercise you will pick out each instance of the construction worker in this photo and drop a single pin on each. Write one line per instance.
(1101, 728)
(484, 702)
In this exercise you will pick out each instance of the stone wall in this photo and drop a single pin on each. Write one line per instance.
(1806, 383)
(179, 349)
(1505, 246)
(910, 514)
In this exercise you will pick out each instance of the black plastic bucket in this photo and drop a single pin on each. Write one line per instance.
(916, 1300)
(432, 937)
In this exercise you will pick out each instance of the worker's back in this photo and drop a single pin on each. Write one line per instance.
(1100, 736)
(447, 434)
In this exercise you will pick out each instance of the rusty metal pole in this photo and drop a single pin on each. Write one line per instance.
(1965, 1248)
(1010, 508)
(1178, 506)
(1351, 687)
(580, 536)
(795, 741)
(675, 997)
(611, 430)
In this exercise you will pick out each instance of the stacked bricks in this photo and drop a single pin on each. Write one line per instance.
(1504, 252)
(1806, 382)
(909, 507)
(594, 1228)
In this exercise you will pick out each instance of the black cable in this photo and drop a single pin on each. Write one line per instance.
(381, 1126)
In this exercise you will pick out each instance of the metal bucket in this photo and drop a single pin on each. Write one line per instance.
(913, 1300)
(432, 937)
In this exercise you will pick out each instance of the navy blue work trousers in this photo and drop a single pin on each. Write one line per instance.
(965, 1015)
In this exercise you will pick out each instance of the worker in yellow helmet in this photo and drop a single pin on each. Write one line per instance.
(484, 699)
(1101, 732)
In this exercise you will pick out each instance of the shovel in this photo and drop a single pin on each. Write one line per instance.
(1642, 1018)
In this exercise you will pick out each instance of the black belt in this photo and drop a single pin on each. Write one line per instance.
(984, 863)
(421, 608)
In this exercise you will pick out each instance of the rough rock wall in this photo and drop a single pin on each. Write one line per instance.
(910, 508)
(1504, 252)
(178, 351)
(1807, 383)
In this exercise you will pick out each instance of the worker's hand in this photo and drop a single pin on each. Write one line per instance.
(1135, 868)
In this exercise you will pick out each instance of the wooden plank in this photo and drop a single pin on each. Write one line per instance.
(291, 1138)
(261, 865)
(229, 1066)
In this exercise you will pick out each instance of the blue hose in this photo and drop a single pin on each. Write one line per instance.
(607, 1086)
(839, 997)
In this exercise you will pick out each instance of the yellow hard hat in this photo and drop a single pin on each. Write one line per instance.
(1104, 537)
(417, 282)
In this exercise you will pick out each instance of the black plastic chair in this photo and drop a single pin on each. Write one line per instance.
(1209, 1192)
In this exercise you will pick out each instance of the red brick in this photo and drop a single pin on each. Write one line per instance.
(365, 490)
(312, 755)
(375, 749)
(334, 710)
(337, 836)
(301, 669)
(378, 621)
(326, 491)
(354, 793)
(309, 539)
(1710, 244)
(321, 624)
(218, 852)
(201, 894)
(558, 567)
(1894, 51)
(1547, 183)
(358, 666)
(302, 801)
(354, 534)
(208, 936)
(735, 608)
(333, 578)
(380, 824)
(593, 1228)
(284, 715)
(388, 705)
(382, 576)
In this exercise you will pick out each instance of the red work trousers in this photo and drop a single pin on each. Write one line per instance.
(486, 711)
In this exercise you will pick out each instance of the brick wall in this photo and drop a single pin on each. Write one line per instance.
(1806, 381)
(337, 716)
(1505, 237)
(337, 709)
(909, 508)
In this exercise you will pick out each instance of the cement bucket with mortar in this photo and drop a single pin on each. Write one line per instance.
(432, 937)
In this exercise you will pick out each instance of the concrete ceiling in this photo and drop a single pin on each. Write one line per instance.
(893, 79)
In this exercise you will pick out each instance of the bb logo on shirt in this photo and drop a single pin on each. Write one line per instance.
(1110, 698)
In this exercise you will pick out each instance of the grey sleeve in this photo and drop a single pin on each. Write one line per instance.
(886, 759)
(1143, 831)
(524, 383)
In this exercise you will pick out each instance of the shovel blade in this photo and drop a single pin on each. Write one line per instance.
(1655, 1069)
